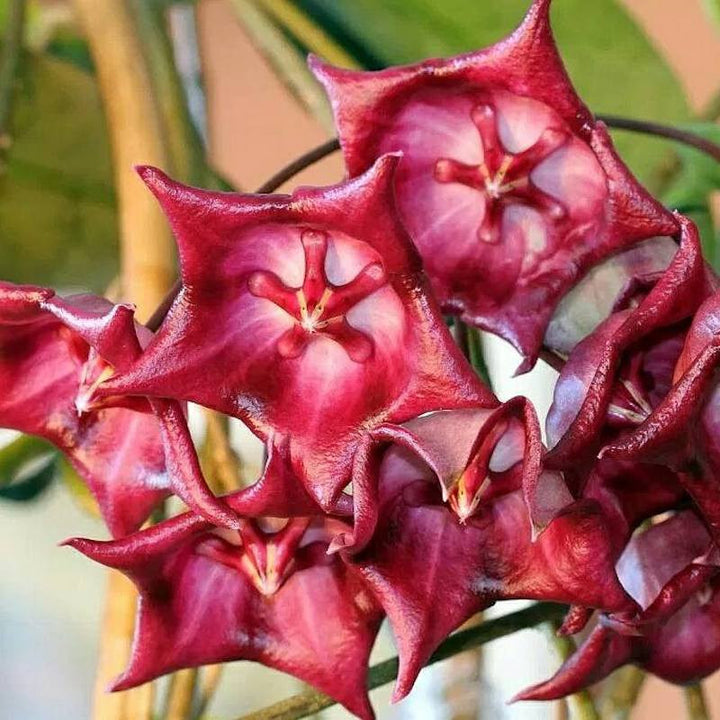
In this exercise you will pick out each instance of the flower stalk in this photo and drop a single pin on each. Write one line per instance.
(695, 702)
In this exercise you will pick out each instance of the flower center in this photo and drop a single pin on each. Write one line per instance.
(95, 371)
(319, 307)
(630, 404)
(504, 177)
(267, 560)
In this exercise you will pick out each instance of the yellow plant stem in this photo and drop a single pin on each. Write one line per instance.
(181, 695)
(118, 623)
(307, 31)
(147, 271)
(147, 252)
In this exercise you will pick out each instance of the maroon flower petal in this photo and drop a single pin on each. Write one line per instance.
(210, 595)
(584, 393)
(312, 322)
(453, 524)
(51, 364)
(670, 573)
(505, 176)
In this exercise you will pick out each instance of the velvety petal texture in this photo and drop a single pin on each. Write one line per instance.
(509, 187)
(306, 316)
(56, 354)
(676, 636)
(268, 592)
(454, 532)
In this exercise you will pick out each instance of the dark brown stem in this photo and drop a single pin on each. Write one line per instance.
(665, 131)
(288, 172)
(297, 166)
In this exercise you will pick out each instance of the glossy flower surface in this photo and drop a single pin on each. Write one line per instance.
(508, 186)
(671, 569)
(56, 354)
(310, 321)
(616, 376)
(455, 535)
(268, 592)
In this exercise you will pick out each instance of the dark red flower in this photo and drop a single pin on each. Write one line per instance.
(55, 355)
(454, 533)
(268, 592)
(671, 570)
(306, 316)
(614, 378)
(682, 430)
(508, 186)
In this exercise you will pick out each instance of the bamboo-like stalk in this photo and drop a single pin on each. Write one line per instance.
(208, 685)
(181, 695)
(115, 643)
(220, 463)
(147, 271)
(134, 125)
(695, 703)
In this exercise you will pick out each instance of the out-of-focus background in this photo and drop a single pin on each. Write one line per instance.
(645, 58)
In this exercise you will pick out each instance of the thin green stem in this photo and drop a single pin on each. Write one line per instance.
(581, 704)
(309, 703)
(10, 62)
(695, 703)
(623, 690)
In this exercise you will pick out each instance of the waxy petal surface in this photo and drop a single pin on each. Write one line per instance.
(508, 186)
(611, 377)
(668, 570)
(312, 323)
(454, 533)
(210, 595)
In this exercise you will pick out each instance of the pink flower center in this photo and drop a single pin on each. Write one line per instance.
(267, 560)
(94, 372)
(473, 484)
(630, 404)
(504, 177)
(319, 307)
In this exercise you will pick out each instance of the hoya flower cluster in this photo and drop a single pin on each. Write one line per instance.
(396, 484)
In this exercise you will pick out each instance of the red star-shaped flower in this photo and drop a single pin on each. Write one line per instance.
(508, 186)
(268, 592)
(454, 533)
(55, 356)
(307, 316)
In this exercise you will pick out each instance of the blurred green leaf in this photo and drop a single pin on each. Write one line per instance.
(713, 9)
(78, 489)
(57, 212)
(698, 177)
(27, 467)
(612, 63)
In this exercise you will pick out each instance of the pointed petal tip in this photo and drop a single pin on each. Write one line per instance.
(159, 182)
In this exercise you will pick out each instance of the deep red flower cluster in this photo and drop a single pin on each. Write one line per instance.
(396, 484)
